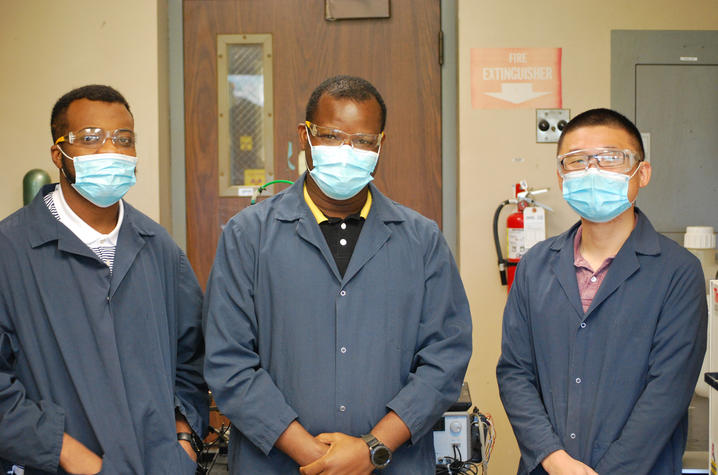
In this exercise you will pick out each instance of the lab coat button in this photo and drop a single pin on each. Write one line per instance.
(583, 324)
(343, 349)
(573, 436)
(343, 293)
(342, 408)
(578, 380)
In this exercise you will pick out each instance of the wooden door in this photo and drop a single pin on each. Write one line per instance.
(399, 55)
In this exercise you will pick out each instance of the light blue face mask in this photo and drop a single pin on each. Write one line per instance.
(341, 172)
(103, 178)
(597, 195)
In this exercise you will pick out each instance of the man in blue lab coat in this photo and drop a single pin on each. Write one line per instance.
(604, 330)
(101, 348)
(337, 328)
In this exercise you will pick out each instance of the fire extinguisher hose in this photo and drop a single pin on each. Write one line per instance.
(503, 263)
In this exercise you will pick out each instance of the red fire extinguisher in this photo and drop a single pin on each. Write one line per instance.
(518, 239)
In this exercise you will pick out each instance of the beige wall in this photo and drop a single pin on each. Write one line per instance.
(48, 47)
(491, 139)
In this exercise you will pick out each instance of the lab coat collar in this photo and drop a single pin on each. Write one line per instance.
(293, 207)
(45, 228)
(375, 232)
(642, 240)
(129, 243)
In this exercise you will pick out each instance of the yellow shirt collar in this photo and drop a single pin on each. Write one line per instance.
(319, 216)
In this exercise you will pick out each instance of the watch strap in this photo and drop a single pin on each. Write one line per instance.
(370, 440)
(193, 440)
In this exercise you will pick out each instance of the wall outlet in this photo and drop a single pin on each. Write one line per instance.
(550, 123)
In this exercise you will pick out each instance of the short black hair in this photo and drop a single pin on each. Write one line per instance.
(345, 87)
(607, 118)
(93, 92)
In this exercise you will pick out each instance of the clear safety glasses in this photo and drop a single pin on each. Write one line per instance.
(609, 159)
(334, 137)
(95, 137)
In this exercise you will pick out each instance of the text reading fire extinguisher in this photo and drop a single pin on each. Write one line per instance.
(524, 227)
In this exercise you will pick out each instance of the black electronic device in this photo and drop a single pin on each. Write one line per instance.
(464, 401)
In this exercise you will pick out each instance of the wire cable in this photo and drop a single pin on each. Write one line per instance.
(204, 462)
(456, 467)
(503, 263)
(482, 438)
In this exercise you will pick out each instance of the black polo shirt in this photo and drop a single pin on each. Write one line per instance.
(341, 234)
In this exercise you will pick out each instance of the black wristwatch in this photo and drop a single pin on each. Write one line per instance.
(194, 441)
(379, 454)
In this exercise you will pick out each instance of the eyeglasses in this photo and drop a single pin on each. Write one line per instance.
(335, 137)
(95, 137)
(609, 159)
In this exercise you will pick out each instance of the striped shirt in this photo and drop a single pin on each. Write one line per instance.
(103, 245)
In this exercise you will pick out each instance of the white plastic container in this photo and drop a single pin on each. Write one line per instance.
(701, 241)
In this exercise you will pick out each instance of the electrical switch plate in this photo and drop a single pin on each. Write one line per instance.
(550, 123)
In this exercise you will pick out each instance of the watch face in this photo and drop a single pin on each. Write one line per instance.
(380, 456)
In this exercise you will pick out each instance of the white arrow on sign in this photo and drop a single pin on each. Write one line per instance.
(516, 92)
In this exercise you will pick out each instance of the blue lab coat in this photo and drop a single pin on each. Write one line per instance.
(289, 338)
(105, 357)
(611, 385)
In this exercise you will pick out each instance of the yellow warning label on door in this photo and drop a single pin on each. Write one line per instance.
(246, 143)
(253, 176)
